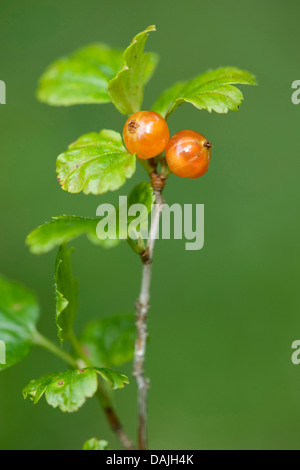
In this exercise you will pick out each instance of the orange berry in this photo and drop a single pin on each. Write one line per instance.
(146, 133)
(188, 154)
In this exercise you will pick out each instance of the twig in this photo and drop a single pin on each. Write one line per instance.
(142, 307)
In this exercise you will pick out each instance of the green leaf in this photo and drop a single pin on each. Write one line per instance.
(19, 313)
(69, 390)
(127, 88)
(95, 163)
(81, 77)
(66, 294)
(212, 90)
(109, 342)
(95, 444)
(63, 229)
(142, 194)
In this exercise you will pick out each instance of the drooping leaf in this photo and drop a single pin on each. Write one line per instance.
(69, 390)
(19, 313)
(95, 163)
(212, 90)
(109, 342)
(127, 88)
(95, 444)
(66, 294)
(81, 77)
(66, 227)
(63, 229)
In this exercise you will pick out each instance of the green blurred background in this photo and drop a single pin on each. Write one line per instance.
(222, 320)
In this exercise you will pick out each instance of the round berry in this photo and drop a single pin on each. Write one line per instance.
(146, 133)
(188, 154)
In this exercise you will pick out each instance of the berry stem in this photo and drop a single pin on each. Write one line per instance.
(142, 307)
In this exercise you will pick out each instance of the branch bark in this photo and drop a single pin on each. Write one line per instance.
(142, 307)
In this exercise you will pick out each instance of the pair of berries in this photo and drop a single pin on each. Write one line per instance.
(188, 153)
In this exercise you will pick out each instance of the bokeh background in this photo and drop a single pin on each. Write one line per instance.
(223, 319)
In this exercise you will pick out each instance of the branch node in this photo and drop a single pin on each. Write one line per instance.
(145, 256)
(158, 181)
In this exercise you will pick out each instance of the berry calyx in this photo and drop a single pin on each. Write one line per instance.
(188, 154)
(146, 133)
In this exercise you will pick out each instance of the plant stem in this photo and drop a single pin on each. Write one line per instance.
(142, 307)
(102, 396)
(45, 343)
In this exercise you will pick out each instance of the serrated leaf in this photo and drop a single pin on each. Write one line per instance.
(212, 90)
(37, 388)
(142, 193)
(109, 342)
(95, 163)
(19, 313)
(115, 379)
(95, 444)
(63, 229)
(81, 77)
(127, 88)
(66, 294)
(69, 390)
